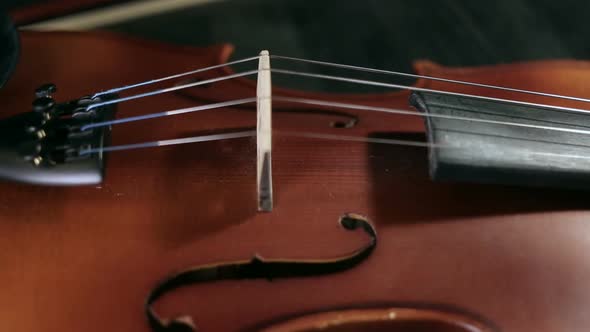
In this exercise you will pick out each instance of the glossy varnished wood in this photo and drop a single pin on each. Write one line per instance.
(83, 259)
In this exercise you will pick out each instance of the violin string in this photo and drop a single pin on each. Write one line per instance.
(170, 89)
(431, 78)
(307, 101)
(402, 142)
(359, 139)
(316, 102)
(326, 77)
(252, 133)
(343, 66)
(169, 113)
(177, 141)
(560, 155)
(333, 104)
(341, 105)
(434, 91)
(175, 76)
(338, 78)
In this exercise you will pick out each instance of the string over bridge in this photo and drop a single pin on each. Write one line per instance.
(264, 134)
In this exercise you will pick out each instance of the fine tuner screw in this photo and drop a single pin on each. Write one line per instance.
(43, 104)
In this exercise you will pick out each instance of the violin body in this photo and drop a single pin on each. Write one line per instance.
(84, 258)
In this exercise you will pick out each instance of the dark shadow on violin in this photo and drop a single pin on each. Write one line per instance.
(404, 193)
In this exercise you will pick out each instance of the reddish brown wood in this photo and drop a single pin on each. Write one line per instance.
(50, 9)
(83, 259)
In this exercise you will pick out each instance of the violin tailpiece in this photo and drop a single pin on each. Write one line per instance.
(43, 146)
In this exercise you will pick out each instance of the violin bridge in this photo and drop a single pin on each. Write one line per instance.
(264, 134)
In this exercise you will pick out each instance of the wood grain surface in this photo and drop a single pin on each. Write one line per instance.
(84, 259)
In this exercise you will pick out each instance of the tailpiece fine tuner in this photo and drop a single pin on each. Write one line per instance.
(43, 146)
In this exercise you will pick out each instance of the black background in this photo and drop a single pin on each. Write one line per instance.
(387, 34)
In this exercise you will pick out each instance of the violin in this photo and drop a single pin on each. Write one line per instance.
(452, 204)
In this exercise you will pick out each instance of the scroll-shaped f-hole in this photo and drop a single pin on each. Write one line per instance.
(258, 268)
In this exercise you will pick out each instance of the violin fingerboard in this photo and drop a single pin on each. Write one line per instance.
(475, 140)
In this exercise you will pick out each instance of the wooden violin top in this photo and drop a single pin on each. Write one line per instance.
(85, 258)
